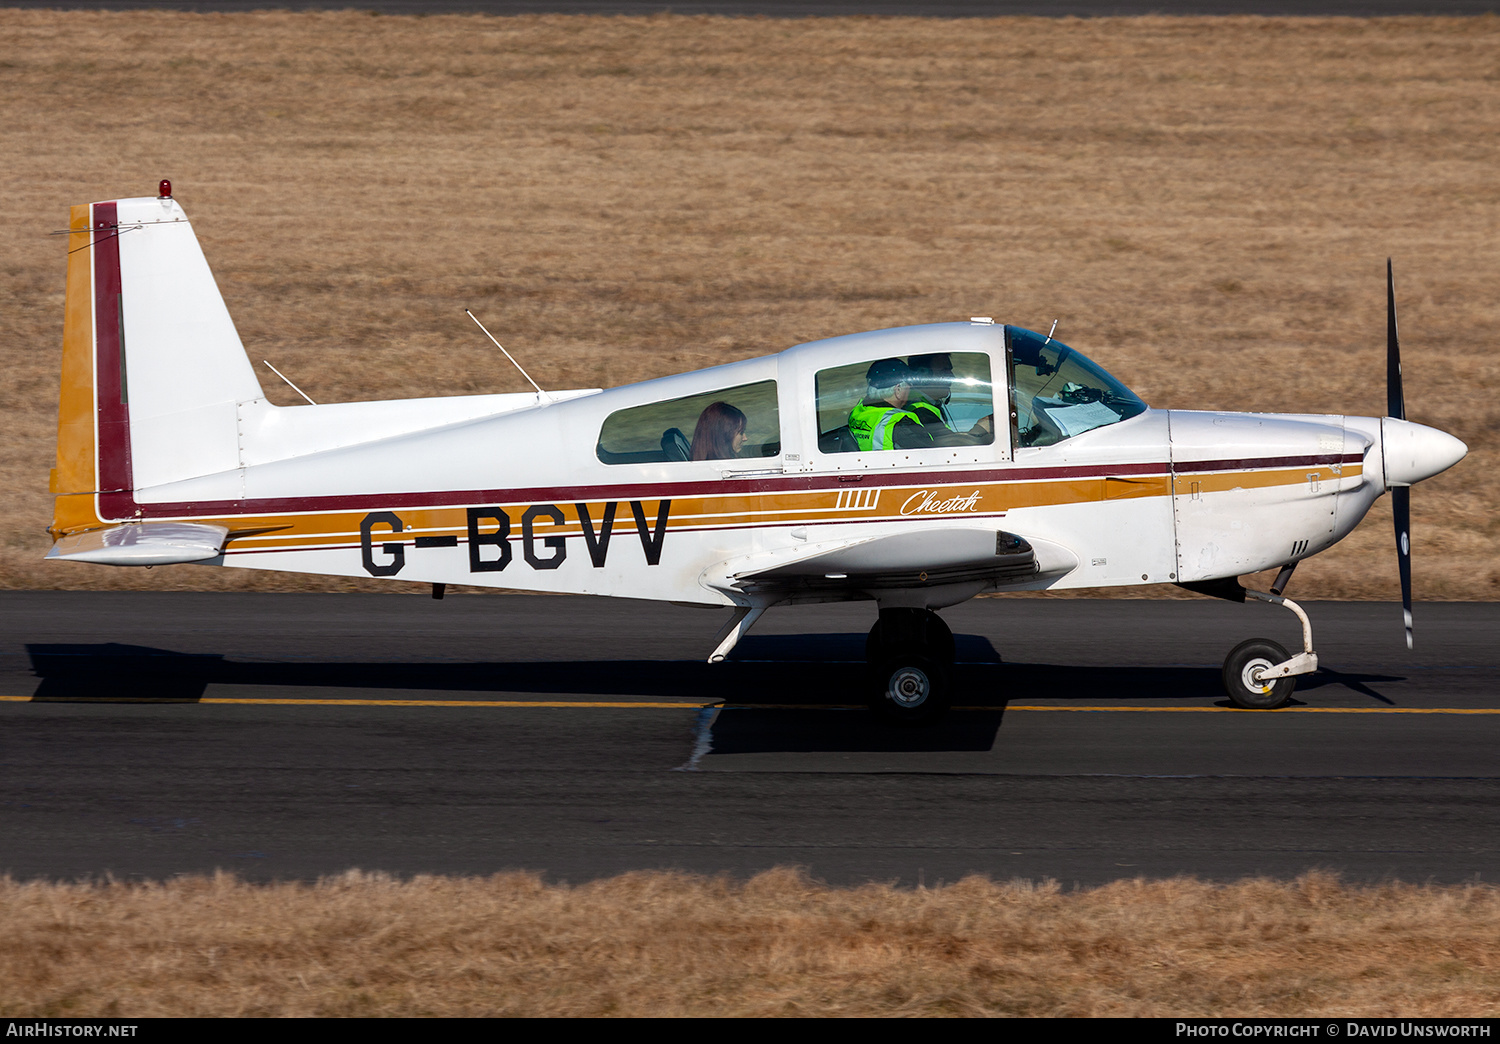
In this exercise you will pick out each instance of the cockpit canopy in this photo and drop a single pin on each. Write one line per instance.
(952, 390)
(1059, 393)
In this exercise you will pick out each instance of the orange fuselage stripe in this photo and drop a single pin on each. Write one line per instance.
(817, 507)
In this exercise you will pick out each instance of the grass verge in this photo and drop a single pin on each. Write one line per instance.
(777, 944)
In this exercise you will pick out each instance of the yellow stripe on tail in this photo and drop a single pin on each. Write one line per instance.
(75, 477)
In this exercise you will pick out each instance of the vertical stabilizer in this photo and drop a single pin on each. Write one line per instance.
(186, 371)
(154, 374)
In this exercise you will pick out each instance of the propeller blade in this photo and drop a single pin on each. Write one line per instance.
(1401, 510)
(1395, 399)
(1395, 406)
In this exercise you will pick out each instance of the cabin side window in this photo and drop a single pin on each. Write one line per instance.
(906, 402)
(717, 425)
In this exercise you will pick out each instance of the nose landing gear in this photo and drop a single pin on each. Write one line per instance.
(1258, 674)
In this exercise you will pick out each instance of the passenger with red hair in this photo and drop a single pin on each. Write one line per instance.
(720, 433)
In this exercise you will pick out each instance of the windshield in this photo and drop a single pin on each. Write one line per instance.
(1059, 393)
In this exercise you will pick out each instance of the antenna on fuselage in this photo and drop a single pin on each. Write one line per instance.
(540, 394)
(1050, 333)
(284, 377)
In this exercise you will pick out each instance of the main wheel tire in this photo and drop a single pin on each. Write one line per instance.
(940, 638)
(1239, 681)
(914, 630)
(910, 689)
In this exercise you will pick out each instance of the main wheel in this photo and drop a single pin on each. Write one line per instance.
(909, 689)
(1244, 689)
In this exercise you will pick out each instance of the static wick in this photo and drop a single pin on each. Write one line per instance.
(289, 384)
(540, 394)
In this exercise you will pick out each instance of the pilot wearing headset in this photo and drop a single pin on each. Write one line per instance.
(881, 420)
(932, 386)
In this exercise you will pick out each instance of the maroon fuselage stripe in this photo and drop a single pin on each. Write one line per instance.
(1193, 467)
(741, 487)
(113, 414)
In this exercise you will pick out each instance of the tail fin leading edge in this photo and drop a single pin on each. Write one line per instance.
(75, 479)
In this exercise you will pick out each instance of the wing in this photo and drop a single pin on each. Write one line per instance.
(942, 561)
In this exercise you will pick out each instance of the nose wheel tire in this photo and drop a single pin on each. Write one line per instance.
(1241, 675)
(910, 689)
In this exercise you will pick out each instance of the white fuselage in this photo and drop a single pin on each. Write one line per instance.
(1162, 497)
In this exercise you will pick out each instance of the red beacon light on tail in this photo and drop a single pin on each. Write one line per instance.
(164, 189)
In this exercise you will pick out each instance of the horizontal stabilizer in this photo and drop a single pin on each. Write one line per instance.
(143, 544)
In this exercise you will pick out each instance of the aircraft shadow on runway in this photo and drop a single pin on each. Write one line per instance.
(795, 670)
(770, 684)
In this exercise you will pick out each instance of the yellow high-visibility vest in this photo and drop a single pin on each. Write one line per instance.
(873, 426)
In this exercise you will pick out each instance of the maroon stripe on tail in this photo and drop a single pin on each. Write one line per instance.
(111, 390)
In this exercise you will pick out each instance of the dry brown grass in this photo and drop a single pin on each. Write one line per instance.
(779, 944)
(1206, 203)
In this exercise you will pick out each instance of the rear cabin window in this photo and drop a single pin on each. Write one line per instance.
(730, 423)
(948, 394)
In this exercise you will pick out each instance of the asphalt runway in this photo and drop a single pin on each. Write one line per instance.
(817, 8)
(292, 736)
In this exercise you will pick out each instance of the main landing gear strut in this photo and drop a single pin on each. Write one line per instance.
(910, 653)
(1258, 674)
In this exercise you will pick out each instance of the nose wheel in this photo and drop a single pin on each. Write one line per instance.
(1246, 675)
(910, 654)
